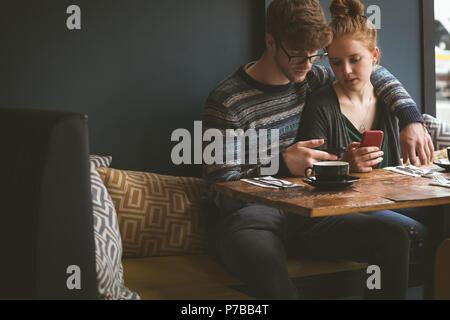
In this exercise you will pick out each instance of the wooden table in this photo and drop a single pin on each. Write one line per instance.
(379, 190)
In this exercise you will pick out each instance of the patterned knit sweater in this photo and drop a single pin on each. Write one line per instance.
(240, 102)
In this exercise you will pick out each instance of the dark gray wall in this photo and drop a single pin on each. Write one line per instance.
(138, 68)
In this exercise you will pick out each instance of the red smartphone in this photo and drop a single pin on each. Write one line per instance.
(372, 138)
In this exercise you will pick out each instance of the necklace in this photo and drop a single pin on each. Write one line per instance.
(362, 126)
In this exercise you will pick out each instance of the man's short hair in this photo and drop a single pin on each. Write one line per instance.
(301, 24)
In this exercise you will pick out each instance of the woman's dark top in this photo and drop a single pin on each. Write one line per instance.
(322, 119)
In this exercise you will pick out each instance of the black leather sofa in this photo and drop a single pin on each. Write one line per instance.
(47, 222)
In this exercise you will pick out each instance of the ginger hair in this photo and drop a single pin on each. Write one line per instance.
(349, 19)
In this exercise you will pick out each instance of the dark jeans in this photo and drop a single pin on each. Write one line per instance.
(416, 222)
(252, 242)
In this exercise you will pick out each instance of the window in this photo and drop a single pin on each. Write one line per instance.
(442, 58)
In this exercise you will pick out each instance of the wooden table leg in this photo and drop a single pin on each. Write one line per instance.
(441, 261)
(439, 230)
(442, 272)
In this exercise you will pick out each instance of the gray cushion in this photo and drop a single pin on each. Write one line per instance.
(100, 161)
(439, 131)
(108, 243)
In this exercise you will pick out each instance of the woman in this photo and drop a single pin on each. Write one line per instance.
(342, 111)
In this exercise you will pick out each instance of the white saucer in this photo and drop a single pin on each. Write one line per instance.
(443, 163)
(346, 182)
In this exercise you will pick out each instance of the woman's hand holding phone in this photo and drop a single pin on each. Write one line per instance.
(362, 159)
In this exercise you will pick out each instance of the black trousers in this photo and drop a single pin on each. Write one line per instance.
(252, 242)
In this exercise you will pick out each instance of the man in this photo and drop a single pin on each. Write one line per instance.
(251, 240)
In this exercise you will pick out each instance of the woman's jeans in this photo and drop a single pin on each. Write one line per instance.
(252, 242)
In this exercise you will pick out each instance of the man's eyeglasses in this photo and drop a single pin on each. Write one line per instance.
(302, 59)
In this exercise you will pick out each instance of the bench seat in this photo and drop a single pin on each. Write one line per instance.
(198, 277)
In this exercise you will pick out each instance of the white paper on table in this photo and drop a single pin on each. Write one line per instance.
(266, 181)
(411, 170)
(260, 184)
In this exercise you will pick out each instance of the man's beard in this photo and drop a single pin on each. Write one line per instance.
(288, 73)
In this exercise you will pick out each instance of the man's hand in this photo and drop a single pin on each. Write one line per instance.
(300, 156)
(415, 140)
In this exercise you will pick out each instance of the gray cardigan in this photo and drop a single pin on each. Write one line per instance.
(322, 119)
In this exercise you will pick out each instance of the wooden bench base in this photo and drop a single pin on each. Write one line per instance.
(442, 271)
(197, 277)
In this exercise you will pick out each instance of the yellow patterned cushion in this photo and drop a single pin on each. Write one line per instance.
(158, 215)
(440, 154)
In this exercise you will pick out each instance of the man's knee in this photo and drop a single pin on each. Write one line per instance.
(254, 217)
